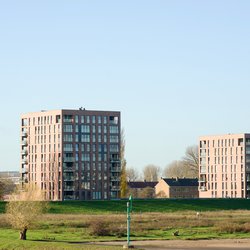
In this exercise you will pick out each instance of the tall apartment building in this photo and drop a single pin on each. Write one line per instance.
(72, 154)
(224, 166)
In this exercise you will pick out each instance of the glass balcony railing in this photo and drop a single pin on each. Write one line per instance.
(69, 159)
(24, 161)
(24, 142)
(69, 188)
(24, 152)
(68, 178)
(202, 180)
(68, 169)
(115, 188)
(114, 160)
(115, 178)
(202, 188)
(69, 197)
(24, 133)
(115, 170)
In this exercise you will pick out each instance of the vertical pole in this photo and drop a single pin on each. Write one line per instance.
(128, 224)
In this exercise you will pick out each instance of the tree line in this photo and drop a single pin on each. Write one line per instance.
(186, 167)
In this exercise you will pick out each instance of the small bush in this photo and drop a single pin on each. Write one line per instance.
(119, 231)
(99, 228)
(233, 228)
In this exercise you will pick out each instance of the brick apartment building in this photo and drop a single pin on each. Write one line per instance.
(72, 154)
(224, 166)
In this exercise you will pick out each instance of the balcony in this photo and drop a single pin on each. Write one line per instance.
(202, 180)
(69, 197)
(24, 133)
(24, 170)
(115, 170)
(115, 178)
(24, 152)
(69, 159)
(69, 169)
(203, 170)
(24, 161)
(68, 178)
(114, 160)
(69, 188)
(115, 188)
(24, 142)
(203, 188)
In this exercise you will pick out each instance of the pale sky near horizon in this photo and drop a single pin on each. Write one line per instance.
(175, 69)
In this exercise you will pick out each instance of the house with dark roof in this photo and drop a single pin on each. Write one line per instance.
(177, 188)
(142, 189)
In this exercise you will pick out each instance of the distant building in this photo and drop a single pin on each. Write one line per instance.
(13, 176)
(72, 154)
(177, 188)
(138, 189)
(224, 166)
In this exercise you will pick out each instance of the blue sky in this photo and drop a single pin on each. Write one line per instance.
(175, 69)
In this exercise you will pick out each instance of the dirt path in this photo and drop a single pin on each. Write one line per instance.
(227, 244)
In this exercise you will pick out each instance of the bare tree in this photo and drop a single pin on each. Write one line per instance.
(187, 167)
(176, 169)
(191, 160)
(151, 172)
(132, 174)
(123, 181)
(24, 208)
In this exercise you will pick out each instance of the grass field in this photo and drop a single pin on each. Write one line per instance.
(75, 224)
(153, 205)
(75, 231)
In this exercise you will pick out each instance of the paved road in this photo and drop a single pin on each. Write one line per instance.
(227, 244)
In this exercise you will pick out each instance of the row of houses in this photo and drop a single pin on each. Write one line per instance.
(165, 188)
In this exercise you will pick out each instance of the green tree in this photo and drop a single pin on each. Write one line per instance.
(123, 181)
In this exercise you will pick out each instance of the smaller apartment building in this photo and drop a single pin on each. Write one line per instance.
(224, 166)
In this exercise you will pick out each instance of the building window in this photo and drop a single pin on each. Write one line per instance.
(82, 118)
(113, 129)
(76, 119)
(68, 128)
(87, 119)
(99, 129)
(105, 119)
(68, 138)
(99, 119)
(85, 157)
(85, 138)
(85, 129)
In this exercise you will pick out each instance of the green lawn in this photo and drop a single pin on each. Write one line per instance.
(152, 205)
